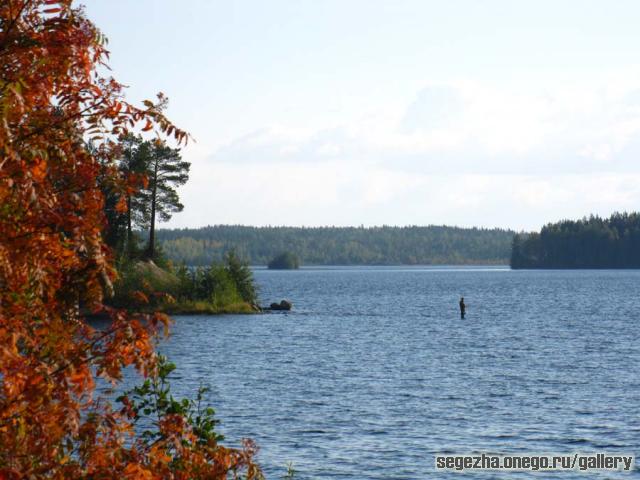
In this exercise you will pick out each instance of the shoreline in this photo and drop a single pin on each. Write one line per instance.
(200, 308)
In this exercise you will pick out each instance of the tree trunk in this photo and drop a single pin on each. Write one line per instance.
(128, 246)
(152, 227)
(128, 241)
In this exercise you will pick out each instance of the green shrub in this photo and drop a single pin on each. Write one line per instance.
(215, 289)
(242, 276)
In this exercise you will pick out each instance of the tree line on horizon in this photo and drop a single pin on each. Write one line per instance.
(592, 242)
(386, 245)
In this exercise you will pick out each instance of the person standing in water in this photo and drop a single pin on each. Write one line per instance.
(463, 308)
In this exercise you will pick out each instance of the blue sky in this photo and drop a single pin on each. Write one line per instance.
(349, 112)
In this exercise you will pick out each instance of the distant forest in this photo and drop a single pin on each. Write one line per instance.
(592, 242)
(431, 245)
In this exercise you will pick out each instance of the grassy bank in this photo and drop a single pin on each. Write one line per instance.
(217, 289)
(207, 308)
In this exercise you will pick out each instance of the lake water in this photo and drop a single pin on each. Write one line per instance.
(374, 372)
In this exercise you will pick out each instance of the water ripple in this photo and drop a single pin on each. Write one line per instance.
(373, 372)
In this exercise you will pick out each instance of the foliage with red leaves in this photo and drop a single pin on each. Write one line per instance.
(53, 101)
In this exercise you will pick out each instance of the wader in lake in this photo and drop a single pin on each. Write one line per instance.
(463, 308)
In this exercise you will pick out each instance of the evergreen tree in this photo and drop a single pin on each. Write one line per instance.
(133, 166)
(592, 242)
(165, 170)
(115, 228)
(241, 274)
(151, 171)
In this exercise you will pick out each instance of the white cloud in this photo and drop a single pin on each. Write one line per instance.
(462, 153)
(468, 128)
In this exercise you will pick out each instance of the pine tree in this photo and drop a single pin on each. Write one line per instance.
(165, 171)
(133, 167)
(242, 276)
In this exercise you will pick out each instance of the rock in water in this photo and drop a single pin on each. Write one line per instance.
(283, 305)
(286, 305)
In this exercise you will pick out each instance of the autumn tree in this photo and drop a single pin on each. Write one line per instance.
(54, 263)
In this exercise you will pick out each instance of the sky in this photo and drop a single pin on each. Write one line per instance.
(397, 112)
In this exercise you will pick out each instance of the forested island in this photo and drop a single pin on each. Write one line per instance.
(592, 242)
(386, 245)
(284, 261)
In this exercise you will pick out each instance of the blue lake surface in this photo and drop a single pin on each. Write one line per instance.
(374, 372)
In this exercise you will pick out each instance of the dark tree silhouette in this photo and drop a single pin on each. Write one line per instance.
(165, 170)
(592, 242)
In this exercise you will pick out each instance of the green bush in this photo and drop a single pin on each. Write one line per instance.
(242, 277)
(214, 289)
(152, 401)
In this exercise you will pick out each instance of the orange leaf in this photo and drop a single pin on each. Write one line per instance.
(121, 206)
(39, 170)
(78, 378)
